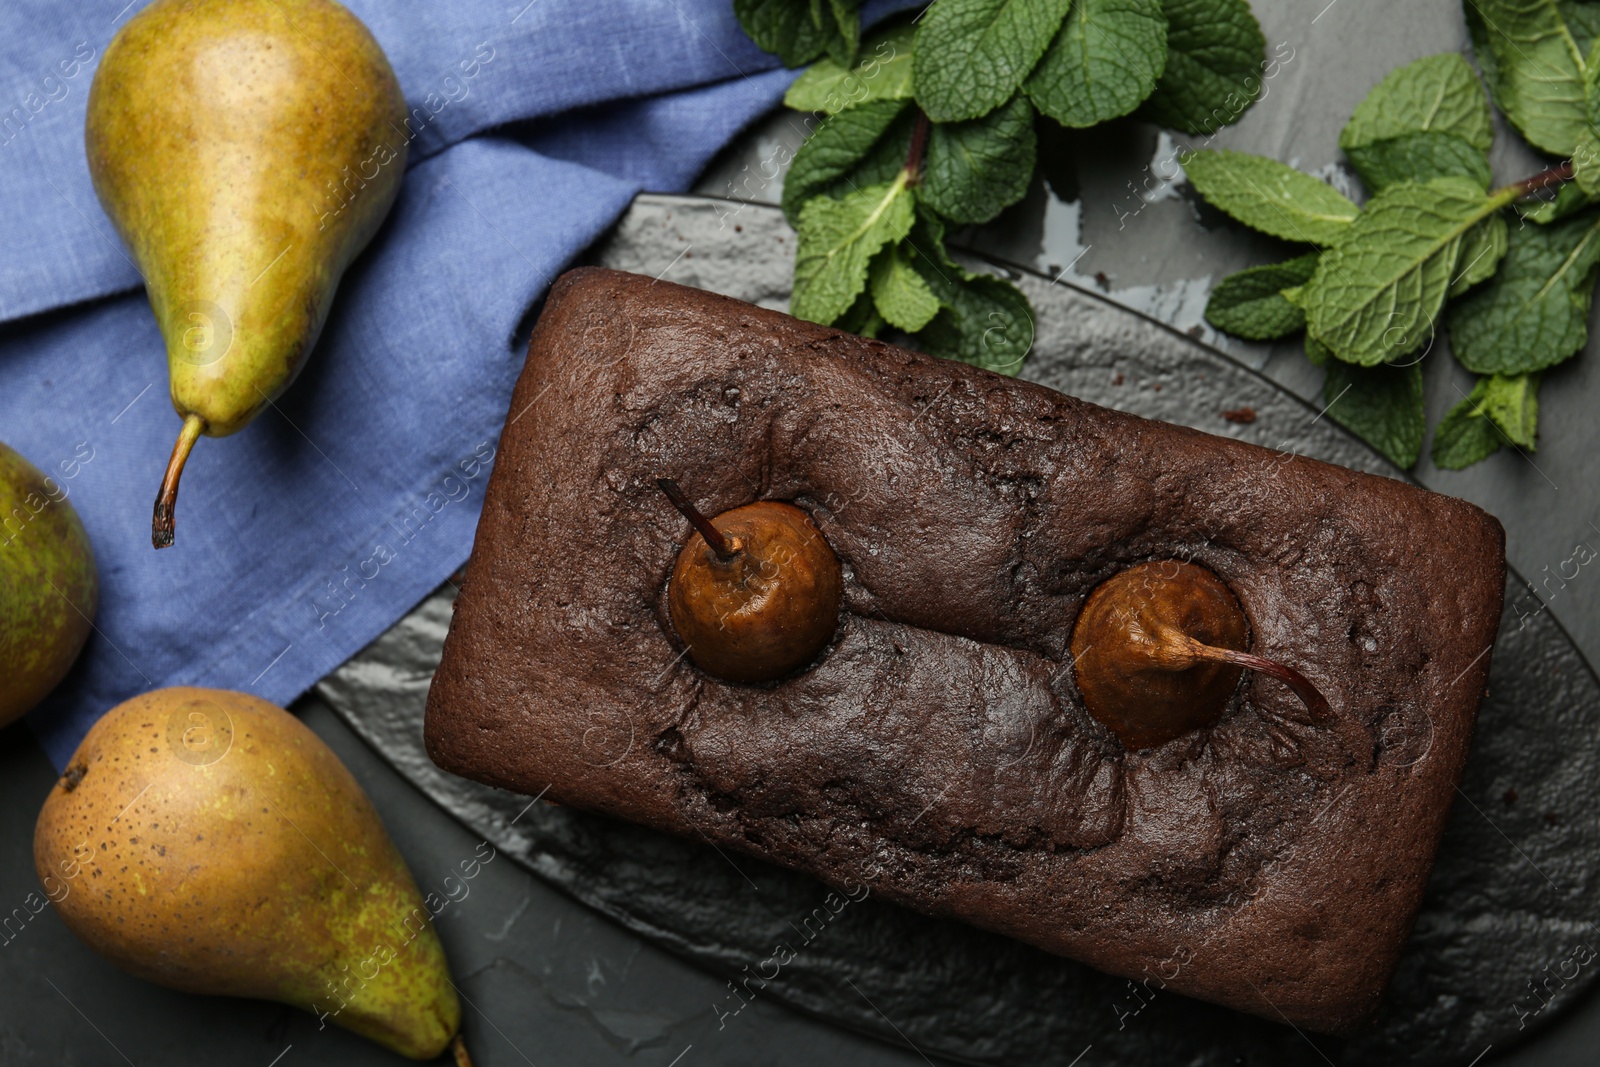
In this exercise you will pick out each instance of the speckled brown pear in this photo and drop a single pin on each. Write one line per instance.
(246, 151)
(755, 592)
(208, 841)
(48, 587)
(1159, 648)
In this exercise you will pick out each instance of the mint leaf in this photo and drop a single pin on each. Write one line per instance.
(1376, 295)
(1251, 304)
(899, 293)
(862, 319)
(1553, 205)
(838, 239)
(784, 28)
(1481, 251)
(1583, 20)
(1215, 55)
(883, 73)
(857, 147)
(1535, 67)
(1500, 410)
(1586, 163)
(1535, 312)
(974, 169)
(1104, 63)
(1382, 405)
(1427, 119)
(986, 321)
(1271, 197)
(1478, 33)
(1317, 352)
(842, 45)
(1465, 435)
(971, 55)
(1586, 153)
(1513, 404)
(1416, 157)
(1440, 94)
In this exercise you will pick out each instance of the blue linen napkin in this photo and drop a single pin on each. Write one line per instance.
(303, 537)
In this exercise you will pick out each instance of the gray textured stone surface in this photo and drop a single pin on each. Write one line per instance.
(1496, 916)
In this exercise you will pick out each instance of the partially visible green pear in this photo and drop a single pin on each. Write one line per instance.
(209, 841)
(48, 587)
(246, 151)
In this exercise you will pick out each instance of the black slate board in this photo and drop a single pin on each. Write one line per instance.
(1506, 907)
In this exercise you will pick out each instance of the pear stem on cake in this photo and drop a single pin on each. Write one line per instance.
(162, 522)
(1177, 650)
(1181, 651)
(720, 545)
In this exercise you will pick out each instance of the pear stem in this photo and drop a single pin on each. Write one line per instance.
(162, 522)
(1177, 650)
(719, 544)
(1183, 651)
(458, 1048)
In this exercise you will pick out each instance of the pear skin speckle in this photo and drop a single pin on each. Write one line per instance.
(195, 868)
(246, 151)
(48, 587)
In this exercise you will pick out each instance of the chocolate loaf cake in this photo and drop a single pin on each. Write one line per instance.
(938, 750)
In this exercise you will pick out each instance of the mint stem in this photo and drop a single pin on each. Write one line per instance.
(919, 144)
(1545, 179)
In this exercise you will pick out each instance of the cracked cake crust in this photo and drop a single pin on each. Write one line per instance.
(937, 751)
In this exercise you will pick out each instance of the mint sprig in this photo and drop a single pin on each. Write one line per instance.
(934, 122)
(1434, 255)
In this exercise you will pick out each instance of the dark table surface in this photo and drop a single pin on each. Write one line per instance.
(548, 982)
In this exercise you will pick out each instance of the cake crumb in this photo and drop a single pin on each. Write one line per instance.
(1243, 416)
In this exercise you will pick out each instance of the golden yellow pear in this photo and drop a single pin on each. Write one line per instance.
(246, 151)
(209, 841)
